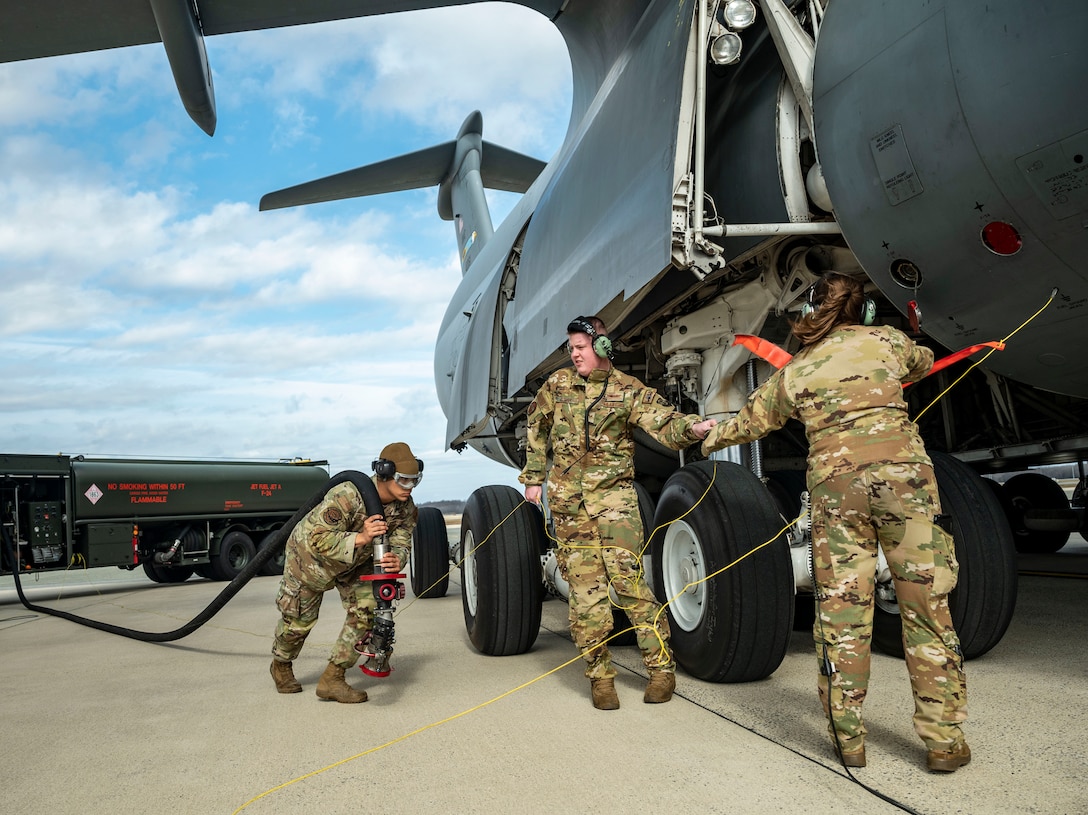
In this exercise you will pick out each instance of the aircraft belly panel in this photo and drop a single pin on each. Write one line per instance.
(928, 140)
(612, 233)
(466, 410)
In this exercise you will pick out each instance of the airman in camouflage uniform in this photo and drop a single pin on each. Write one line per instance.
(585, 417)
(870, 480)
(331, 547)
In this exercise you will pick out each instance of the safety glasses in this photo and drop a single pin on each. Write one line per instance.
(407, 481)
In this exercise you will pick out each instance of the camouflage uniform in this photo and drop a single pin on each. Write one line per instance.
(320, 554)
(870, 479)
(587, 424)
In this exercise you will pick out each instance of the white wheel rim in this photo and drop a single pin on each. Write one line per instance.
(683, 575)
(469, 565)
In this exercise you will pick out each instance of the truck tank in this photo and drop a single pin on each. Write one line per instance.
(124, 489)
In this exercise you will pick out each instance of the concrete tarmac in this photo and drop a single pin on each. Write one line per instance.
(96, 723)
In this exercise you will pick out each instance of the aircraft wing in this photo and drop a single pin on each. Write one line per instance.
(49, 28)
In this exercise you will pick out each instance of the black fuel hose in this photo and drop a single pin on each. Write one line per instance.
(274, 545)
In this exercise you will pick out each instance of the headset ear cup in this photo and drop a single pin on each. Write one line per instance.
(383, 468)
(868, 311)
(806, 309)
(602, 347)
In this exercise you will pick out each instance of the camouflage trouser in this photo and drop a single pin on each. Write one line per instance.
(299, 601)
(896, 504)
(593, 554)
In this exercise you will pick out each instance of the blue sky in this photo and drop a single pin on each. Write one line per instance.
(149, 309)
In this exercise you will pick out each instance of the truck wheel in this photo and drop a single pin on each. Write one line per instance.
(274, 565)
(502, 585)
(985, 595)
(161, 573)
(734, 626)
(151, 569)
(1037, 493)
(429, 563)
(236, 550)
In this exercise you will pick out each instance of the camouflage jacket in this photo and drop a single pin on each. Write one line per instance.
(598, 470)
(326, 534)
(847, 390)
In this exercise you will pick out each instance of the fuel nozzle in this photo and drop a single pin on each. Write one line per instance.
(377, 646)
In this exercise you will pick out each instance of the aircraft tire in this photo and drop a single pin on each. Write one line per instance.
(502, 585)
(619, 619)
(786, 487)
(236, 550)
(429, 563)
(983, 601)
(1035, 491)
(735, 626)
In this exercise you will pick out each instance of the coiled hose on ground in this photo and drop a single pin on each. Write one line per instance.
(273, 547)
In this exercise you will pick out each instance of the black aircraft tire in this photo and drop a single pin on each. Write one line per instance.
(502, 585)
(786, 487)
(734, 627)
(620, 623)
(236, 550)
(983, 601)
(429, 563)
(1035, 491)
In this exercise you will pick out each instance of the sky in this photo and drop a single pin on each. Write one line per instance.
(148, 309)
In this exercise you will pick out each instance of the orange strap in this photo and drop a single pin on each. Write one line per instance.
(956, 356)
(962, 353)
(764, 349)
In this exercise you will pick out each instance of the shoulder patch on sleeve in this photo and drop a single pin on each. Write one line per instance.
(332, 516)
(532, 407)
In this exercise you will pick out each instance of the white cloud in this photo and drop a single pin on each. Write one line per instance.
(145, 315)
(430, 68)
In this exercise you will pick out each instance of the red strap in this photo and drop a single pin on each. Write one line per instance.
(963, 353)
(765, 349)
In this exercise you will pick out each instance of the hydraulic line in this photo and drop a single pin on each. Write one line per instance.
(274, 546)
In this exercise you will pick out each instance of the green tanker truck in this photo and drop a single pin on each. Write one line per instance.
(172, 518)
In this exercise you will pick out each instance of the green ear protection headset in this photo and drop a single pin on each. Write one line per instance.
(602, 346)
(868, 307)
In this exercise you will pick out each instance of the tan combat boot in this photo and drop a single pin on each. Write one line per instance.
(604, 694)
(284, 677)
(331, 685)
(948, 761)
(660, 687)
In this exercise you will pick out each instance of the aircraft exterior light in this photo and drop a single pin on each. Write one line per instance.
(739, 14)
(1001, 238)
(725, 50)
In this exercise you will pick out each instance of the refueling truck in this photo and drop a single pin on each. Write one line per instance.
(170, 517)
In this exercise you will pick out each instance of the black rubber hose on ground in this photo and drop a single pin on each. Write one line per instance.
(274, 545)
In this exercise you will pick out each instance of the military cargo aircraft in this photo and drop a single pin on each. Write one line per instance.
(720, 156)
